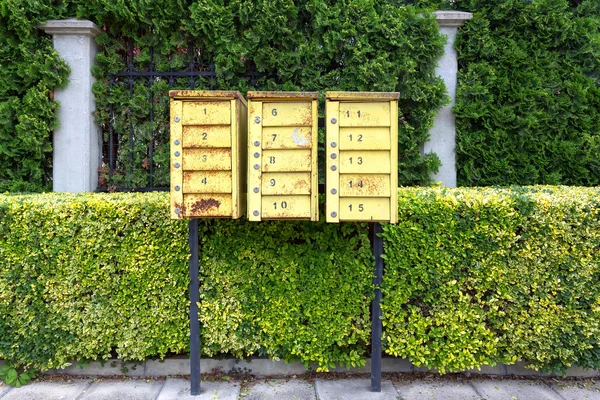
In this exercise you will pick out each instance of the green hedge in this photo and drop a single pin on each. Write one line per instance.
(88, 276)
(473, 277)
(528, 99)
(478, 276)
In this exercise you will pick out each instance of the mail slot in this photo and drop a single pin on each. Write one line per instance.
(208, 146)
(282, 156)
(362, 156)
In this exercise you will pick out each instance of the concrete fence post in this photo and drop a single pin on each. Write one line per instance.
(442, 137)
(77, 143)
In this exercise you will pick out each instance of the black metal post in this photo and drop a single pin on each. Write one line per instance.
(376, 325)
(194, 298)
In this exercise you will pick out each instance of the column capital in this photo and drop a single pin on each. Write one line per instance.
(452, 19)
(70, 26)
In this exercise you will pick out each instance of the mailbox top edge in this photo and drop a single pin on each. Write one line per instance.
(362, 96)
(283, 95)
(207, 95)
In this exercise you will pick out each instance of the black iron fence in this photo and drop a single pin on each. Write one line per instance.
(135, 150)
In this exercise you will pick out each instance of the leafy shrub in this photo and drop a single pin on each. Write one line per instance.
(88, 276)
(528, 100)
(479, 276)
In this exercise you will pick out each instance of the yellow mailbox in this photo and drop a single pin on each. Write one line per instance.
(282, 156)
(362, 156)
(208, 154)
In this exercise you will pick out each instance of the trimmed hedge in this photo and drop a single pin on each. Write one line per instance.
(479, 276)
(86, 276)
(473, 277)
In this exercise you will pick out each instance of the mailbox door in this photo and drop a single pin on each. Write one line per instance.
(362, 154)
(282, 158)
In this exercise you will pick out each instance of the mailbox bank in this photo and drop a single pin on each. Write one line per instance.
(208, 154)
(362, 156)
(282, 156)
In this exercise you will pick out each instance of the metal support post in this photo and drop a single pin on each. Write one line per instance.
(376, 327)
(194, 321)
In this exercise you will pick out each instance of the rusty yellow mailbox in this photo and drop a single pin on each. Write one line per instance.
(282, 156)
(208, 154)
(362, 156)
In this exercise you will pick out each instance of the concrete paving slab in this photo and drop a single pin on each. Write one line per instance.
(179, 389)
(436, 390)
(68, 389)
(492, 389)
(585, 390)
(353, 389)
(123, 389)
(3, 389)
(278, 389)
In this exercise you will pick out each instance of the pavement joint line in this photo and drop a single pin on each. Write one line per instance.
(314, 385)
(554, 390)
(85, 389)
(160, 390)
(475, 390)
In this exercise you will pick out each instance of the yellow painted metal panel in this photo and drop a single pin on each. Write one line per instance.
(293, 207)
(239, 164)
(365, 114)
(207, 182)
(206, 113)
(207, 205)
(287, 137)
(254, 159)
(365, 138)
(286, 160)
(314, 198)
(365, 209)
(332, 157)
(287, 114)
(207, 159)
(364, 185)
(365, 162)
(274, 183)
(196, 136)
(394, 162)
(176, 149)
(206, 95)
(362, 96)
(285, 96)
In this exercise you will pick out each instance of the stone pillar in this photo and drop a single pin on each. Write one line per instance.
(77, 142)
(442, 137)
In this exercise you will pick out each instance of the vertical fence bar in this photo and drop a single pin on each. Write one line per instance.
(111, 121)
(129, 113)
(151, 147)
(376, 325)
(191, 51)
(194, 298)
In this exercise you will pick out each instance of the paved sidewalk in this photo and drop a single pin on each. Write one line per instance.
(401, 386)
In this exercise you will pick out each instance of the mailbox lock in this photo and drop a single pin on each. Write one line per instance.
(177, 142)
(177, 188)
(333, 155)
(177, 165)
(256, 190)
(333, 167)
(256, 155)
(256, 213)
(334, 214)
(333, 144)
(333, 191)
(256, 166)
(333, 120)
(257, 143)
(257, 120)
(176, 119)
(177, 154)
(177, 211)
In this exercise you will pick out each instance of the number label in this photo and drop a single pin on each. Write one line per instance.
(348, 114)
(359, 138)
(361, 207)
(282, 205)
(359, 184)
(271, 160)
(205, 111)
(272, 182)
(274, 112)
(359, 160)
(204, 181)
(274, 136)
(204, 136)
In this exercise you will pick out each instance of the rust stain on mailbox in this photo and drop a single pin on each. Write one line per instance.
(208, 145)
(362, 156)
(282, 156)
